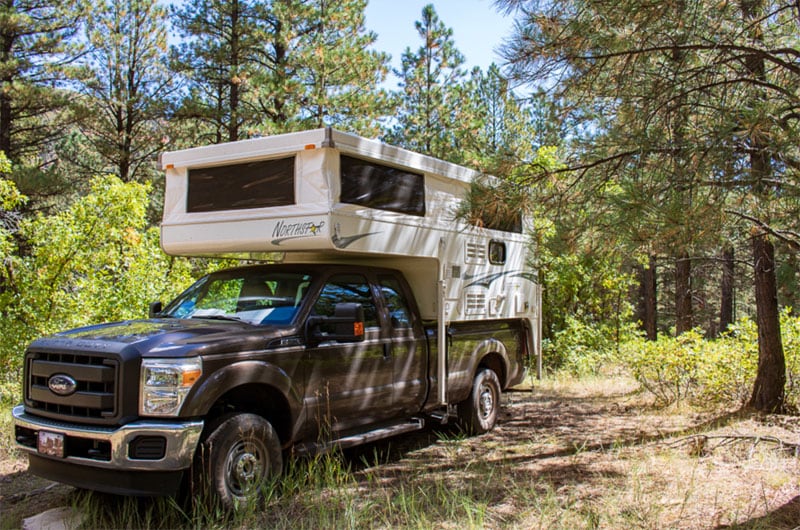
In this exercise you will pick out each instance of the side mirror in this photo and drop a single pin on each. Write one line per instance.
(154, 310)
(346, 325)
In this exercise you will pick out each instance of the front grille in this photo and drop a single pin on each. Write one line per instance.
(94, 395)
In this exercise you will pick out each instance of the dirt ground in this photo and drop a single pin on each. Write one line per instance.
(571, 455)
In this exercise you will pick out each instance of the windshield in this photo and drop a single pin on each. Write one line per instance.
(254, 296)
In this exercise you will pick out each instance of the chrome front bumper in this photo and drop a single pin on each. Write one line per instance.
(181, 441)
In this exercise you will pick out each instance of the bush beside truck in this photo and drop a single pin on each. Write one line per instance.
(93, 261)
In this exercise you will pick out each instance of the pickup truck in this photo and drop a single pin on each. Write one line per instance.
(248, 366)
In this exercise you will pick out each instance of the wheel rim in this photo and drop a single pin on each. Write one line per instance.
(244, 467)
(486, 401)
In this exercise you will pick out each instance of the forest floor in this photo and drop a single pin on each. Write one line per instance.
(571, 454)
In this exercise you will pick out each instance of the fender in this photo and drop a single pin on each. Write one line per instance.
(492, 346)
(461, 381)
(203, 397)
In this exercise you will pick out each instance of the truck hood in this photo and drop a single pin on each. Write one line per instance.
(162, 337)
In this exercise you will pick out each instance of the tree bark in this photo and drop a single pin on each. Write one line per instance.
(646, 311)
(726, 315)
(683, 294)
(6, 109)
(768, 390)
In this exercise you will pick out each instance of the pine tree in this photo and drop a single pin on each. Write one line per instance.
(128, 89)
(35, 52)
(338, 71)
(216, 56)
(493, 128)
(677, 95)
(265, 68)
(428, 96)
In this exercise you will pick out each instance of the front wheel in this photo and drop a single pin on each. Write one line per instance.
(237, 458)
(478, 414)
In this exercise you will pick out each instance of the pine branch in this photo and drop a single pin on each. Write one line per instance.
(789, 237)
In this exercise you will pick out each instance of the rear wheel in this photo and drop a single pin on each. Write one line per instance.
(478, 414)
(236, 460)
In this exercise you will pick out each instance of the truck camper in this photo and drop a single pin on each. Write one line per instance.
(376, 310)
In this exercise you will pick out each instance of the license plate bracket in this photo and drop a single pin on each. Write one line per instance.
(51, 444)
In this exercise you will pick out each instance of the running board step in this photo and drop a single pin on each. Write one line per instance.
(346, 442)
(445, 414)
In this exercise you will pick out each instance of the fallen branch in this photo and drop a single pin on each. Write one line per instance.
(699, 443)
(12, 499)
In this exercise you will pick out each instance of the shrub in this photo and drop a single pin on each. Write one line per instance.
(666, 367)
(711, 372)
(95, 261)
(728, 368)
(582, 348)
(790, 332)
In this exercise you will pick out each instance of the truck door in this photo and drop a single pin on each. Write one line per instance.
(408, 349)
(349, 384)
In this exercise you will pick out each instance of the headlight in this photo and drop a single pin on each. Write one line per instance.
(165, 383)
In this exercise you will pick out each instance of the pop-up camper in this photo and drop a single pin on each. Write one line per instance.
(325, 195)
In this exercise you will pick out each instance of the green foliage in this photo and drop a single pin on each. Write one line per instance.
(5, 164)
(790, 332)
(499, 202)
(35, 62)
(710, 371)
(257, 68)
(667, 367)
(95, 261)
(585, 309)
(429, 99)
(493, 128)
(581, 347)
(339, 70)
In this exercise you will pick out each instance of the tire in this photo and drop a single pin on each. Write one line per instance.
(236, 459)
(478, 414)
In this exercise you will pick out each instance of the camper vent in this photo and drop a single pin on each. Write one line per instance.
(475, 252)
(475, 303)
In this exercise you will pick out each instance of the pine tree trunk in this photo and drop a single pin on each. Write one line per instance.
(646, 310)
(726, 290)
(768, 390)
(5, 125)
(683, 294)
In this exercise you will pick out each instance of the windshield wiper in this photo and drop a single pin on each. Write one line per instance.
(219, 317)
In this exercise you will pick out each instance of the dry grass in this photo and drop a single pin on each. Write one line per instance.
(573, 454)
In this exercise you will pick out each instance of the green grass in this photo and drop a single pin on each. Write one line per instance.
(572, 455)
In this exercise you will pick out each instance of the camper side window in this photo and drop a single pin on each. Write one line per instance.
(382, 187)
(261, 184)
(497, 252)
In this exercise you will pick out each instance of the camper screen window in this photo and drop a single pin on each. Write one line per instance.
(241, 186)
(382, 187)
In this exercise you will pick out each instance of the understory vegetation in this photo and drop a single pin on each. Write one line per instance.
(711, 372)
(688, 368)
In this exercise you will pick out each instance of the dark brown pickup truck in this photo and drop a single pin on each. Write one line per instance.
(247, 366)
